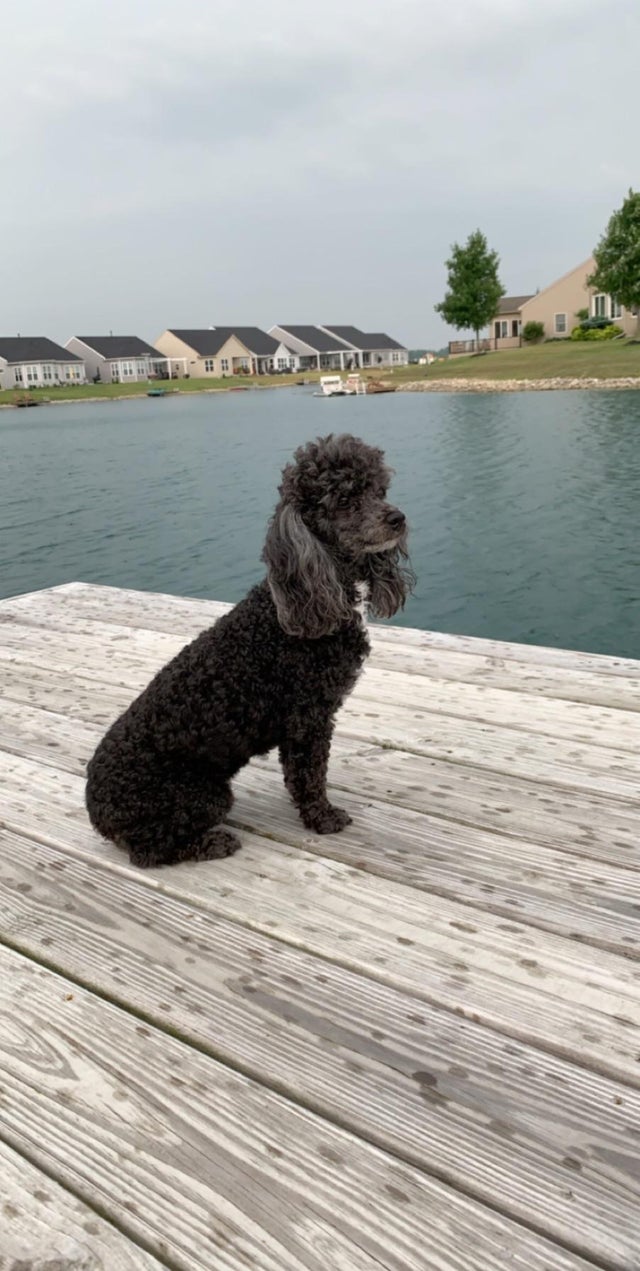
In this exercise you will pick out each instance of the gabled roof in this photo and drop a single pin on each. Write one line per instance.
(358, 339)
(34, 348)
(206, 342)
(511, 304)
(117, 346)
(253, 338)
(209, 341)
(316, 339)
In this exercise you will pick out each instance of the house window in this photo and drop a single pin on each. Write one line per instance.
(395, 357)
(71, 373)
(616, 308)
(502, 329)
(47, 372)
(19, 375)
(560, 323)
(32, 374)
(600, 306)
(142, 369)
(127, 370)
(210, 365)
(224, 363)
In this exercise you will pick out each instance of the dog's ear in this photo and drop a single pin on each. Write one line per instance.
(309, 598)
(391, 579)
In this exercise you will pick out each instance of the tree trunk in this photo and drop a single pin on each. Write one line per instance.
(477, 341)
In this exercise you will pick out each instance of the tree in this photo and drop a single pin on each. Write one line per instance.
(473, 287)
(617, 257)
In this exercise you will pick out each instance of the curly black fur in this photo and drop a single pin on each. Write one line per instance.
(272, 672)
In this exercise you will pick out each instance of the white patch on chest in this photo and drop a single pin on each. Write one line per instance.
(361, 606)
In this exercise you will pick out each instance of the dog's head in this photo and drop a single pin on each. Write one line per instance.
(333, 527)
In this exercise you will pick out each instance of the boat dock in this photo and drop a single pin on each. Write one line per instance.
(412, 1046)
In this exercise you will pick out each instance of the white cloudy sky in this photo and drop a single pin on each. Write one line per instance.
(203, 161)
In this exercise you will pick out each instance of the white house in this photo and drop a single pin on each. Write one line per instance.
(340, 348)
(37, 362)
(118, 359)
(370, 349)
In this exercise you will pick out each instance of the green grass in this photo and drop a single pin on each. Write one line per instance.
(566, 359)
(604, 360)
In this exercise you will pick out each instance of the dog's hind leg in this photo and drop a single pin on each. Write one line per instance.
(186, 825)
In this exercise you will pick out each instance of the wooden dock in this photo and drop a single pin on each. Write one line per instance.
(413, 1046)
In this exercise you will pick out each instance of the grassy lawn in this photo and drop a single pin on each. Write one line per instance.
(566, 359)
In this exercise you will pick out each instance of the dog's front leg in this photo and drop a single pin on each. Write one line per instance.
(304, 755)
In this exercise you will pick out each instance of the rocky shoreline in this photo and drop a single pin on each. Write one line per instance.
(515, 386)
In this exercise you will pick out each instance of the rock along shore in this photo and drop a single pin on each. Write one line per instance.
(514, 386)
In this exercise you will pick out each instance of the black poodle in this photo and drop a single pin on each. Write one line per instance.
(271, 672)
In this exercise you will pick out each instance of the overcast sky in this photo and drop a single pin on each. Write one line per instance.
(209, 162)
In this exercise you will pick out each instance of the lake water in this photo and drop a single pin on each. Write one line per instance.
(525, 508)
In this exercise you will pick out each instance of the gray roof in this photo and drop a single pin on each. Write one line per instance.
(317, 340)
(254, 339)
(117, 346)
(208, 341)
(511, 304)
(362, 339)
(34, 348)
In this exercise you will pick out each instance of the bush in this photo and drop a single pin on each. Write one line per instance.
(588, 332)
(582, 315)
(532, 332)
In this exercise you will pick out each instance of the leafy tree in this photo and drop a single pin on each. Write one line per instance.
(617, 257)
(473, 287)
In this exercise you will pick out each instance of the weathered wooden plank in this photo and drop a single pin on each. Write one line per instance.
(526, 712)
(214, 1170)
(537, 883)
(411, 1079)
(528, 984)
(44, 1227)
(129, 658)
(427, 661)
(550, 760)
(588, 824)
(184, 616)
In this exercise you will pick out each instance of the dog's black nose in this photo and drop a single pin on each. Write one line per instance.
(395, 519)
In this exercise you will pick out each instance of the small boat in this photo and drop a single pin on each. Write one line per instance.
(25, 400)
(156, 392)
(331, 386)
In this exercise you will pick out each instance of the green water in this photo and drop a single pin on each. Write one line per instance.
(525, 508)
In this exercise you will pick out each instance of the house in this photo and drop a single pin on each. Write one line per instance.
(339, 348)
(312, 347)
(36, 362)
(117, 359)
(557, 306)
(370, 349)
(268, 355)
(507, 324)
(221, 351)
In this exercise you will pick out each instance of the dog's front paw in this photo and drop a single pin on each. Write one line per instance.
(326, 820)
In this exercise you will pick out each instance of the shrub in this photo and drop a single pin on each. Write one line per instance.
(585, 332)
(582, 315)
(532, 332)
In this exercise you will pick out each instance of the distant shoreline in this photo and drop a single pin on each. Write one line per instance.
(453, 384)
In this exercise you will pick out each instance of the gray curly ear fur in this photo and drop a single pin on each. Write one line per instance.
(309, 598)
(391, 579)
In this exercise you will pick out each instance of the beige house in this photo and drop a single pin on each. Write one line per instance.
(556, 307)
(219, 351)
(204, 353)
